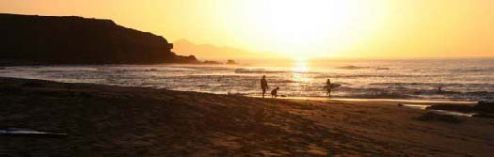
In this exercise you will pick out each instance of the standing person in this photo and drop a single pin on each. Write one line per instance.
(264, 85)
(328, 87)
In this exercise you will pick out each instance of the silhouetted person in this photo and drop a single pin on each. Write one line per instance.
(274, 92)
(440, 89)
(264, 85)
(328, 87)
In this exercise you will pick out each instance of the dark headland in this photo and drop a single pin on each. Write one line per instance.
(122, 121)
(30, 39)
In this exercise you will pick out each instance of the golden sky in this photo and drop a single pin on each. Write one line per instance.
(300, 28)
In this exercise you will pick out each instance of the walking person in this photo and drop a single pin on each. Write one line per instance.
(264, 85)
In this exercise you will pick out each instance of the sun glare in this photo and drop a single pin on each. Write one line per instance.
(300, 66)
(312, 28)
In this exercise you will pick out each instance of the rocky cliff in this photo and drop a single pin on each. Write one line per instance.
(30, 39)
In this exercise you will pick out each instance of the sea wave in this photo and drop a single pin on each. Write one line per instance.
(400, 80)
(259, 70)
(474, 70)
(353, 67)
(374, 75)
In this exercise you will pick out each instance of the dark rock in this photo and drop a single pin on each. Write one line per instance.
(230, 61)
(431, 116)
(486, 107)
(28, 40)
(482, 109)
(211, 62)
(186, 59)
(484, 115)
(451, 107)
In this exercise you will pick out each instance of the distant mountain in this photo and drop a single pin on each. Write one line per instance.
(208, 51)
(27, 39)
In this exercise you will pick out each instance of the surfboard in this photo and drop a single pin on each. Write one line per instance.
(335, 85)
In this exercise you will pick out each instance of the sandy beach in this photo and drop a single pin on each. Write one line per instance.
(123, 121)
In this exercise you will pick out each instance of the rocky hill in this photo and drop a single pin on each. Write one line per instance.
(30, 39)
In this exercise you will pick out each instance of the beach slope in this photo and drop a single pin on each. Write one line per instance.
(122, 121)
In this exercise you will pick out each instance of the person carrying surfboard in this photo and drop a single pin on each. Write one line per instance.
(264, 85)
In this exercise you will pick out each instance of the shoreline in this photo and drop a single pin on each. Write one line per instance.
(136, 121)
(318, 98)
(384, 100)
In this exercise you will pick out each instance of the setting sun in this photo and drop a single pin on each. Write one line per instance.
(300, 66)
(313, 28)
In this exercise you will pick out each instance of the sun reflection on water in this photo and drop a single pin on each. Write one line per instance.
(300, 69)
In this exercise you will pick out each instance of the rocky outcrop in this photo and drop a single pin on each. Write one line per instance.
(481, 109)
(231, 61)
(30, 39)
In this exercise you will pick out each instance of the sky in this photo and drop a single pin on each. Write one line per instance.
(298, 29)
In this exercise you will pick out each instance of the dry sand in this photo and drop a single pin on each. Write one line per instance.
(119, 121)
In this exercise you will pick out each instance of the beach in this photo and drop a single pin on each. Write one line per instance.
(253, 78)
(102, 120)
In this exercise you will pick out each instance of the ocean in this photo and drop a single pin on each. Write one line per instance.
(460, 79)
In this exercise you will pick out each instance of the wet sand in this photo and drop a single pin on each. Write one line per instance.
(121, 121)
(379, 100)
